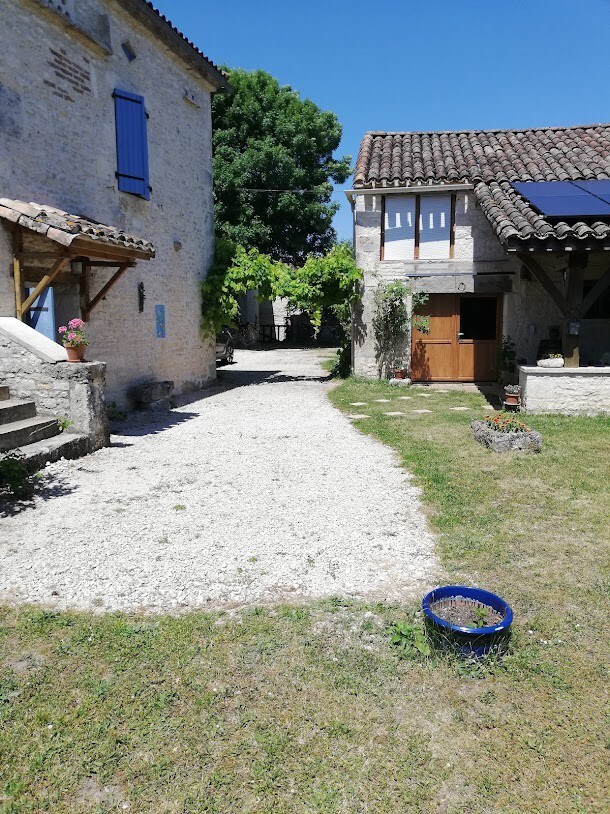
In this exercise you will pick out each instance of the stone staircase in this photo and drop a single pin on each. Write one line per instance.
(38, 439)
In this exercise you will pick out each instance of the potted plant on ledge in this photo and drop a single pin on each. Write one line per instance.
(512, 395)
(551, 360)
(74, 340)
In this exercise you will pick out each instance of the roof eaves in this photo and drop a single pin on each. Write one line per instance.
(177, 42)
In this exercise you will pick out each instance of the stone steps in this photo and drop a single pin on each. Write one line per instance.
(16, 410)
(26, 431)
(64, 445)
(36, 439)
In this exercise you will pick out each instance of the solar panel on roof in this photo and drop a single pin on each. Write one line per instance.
(563, 199)
(601, 189)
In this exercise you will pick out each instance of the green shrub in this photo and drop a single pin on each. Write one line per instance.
(14, 477)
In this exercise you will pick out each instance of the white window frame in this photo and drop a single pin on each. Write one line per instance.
(418, 196)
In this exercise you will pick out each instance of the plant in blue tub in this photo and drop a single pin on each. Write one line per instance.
(469, 622)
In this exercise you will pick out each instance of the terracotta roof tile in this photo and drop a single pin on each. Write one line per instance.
(63, 227)
(491, 159)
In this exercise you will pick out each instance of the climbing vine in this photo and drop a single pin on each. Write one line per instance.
(328, 281)
(395, 307)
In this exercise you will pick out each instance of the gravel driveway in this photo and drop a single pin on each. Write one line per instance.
(258, 491)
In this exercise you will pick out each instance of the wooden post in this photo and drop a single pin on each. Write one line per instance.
(44, 284)
(17, 276)
(102, 293)
(574, 302)
(85, 295)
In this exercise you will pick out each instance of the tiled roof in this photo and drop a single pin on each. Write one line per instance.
(490, 160)
(64, 228)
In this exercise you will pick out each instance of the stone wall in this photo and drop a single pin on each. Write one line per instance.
(479, 266)
(60, 389)
(58, 146)
(570, 391)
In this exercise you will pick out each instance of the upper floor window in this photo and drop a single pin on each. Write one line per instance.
(418, 227)
(131, 143)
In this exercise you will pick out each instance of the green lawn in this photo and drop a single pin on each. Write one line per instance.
(307, 709)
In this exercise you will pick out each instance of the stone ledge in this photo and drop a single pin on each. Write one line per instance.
(534, 370)
(506, 441)
(33, 341)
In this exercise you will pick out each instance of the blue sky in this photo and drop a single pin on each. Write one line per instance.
(417, 65)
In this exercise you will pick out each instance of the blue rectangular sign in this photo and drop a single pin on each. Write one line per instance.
(160, 321)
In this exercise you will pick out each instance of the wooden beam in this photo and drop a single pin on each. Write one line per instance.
(545, 281)
(104, 251)
(595, 293)
(44, 284)
(105, 289)
(574, 297)
(30, 256)
(107, 264)
(18, 281)
(85, 295)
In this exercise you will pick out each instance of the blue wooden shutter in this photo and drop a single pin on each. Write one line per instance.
(131, 143)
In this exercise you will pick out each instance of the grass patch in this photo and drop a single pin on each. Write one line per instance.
(301, 709)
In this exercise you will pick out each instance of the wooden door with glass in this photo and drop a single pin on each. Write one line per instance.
(462, 343)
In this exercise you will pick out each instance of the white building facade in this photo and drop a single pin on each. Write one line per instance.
(105, 114)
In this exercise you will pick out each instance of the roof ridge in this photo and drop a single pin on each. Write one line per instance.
(485, 130)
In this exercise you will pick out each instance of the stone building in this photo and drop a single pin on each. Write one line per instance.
(105, 134)
(466, 218)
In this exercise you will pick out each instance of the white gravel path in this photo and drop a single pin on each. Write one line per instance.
(256, 492)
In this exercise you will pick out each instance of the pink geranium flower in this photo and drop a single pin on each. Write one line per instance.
(73, 335)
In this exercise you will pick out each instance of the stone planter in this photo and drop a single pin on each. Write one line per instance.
(506, 441)
(550, 362)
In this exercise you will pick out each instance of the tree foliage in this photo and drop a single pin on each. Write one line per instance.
(321, 282)
(266, 137)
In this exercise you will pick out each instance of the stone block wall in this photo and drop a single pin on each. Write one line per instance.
(479, 266)
(58, 147)
(60, 389)
(569, 391)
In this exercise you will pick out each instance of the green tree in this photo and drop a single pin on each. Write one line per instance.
(322, 282)
(266, 137)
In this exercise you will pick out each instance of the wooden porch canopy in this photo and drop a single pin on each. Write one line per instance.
(46, 241)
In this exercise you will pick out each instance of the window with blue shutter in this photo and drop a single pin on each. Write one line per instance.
(131, 143)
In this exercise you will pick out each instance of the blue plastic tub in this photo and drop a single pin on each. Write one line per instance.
(468, 642)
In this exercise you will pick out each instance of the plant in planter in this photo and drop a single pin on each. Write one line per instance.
(551, 360)
(74, 339)
(394, 307)
(512, 395)
(503, 432)
(468, 622)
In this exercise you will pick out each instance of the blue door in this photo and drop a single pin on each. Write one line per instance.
(41, 315)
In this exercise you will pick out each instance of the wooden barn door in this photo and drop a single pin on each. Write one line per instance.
(463, 340)
(433, 357)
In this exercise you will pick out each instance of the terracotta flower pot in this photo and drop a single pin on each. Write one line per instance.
(512, 398)
(76, 354)
(399, 374)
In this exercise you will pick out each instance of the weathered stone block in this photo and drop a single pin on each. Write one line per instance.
(151, 391)
(506, 441)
